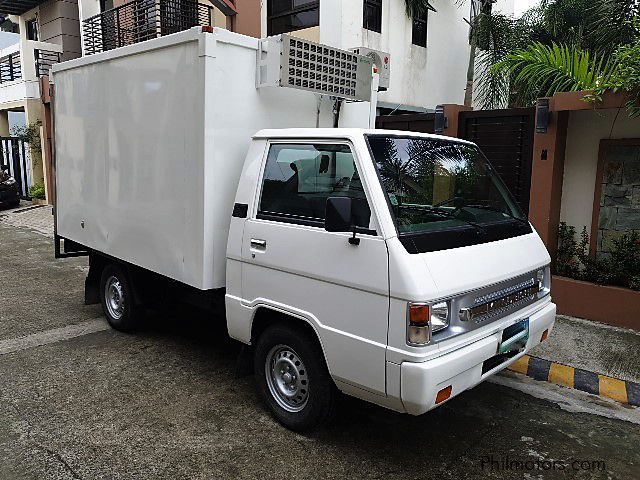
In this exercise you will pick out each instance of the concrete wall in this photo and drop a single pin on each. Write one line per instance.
(248, 21)
(420, 77)
(585, 130)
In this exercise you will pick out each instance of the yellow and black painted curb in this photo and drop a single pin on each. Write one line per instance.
(619, 390)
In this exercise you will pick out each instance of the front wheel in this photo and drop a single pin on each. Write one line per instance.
(117, 299)
(293, 379)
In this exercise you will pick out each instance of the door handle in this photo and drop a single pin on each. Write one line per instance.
(260, 244)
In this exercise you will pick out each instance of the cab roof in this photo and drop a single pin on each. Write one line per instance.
(345, 133)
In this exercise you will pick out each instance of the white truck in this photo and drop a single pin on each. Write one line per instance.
(388, 265)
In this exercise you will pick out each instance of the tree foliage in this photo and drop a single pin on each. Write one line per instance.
(573, 31)
(626, 76)
(418, 8)
(540, 71)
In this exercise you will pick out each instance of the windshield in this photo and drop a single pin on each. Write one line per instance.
(437, 184)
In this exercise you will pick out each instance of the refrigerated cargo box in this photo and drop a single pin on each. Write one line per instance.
(150, 140)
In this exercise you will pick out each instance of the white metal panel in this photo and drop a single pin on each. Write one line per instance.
(129, 158)
(150, 143)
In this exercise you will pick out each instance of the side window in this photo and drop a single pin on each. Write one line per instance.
(299, 178)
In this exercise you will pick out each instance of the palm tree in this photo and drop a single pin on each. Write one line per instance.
(480, 17)
(540, 71)
(573, 26)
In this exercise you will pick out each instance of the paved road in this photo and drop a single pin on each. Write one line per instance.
(78, 400)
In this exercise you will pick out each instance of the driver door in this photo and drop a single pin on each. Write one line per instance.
(292, 263)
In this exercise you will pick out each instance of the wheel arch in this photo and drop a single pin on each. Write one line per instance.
(266, 315)
(97, 263)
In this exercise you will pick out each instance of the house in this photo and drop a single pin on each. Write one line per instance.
(429, 57)
(47, 32)
(39, 33)
(108, 24)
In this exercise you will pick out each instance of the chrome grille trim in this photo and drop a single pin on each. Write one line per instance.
(508, 296)
(499, 294)
(503, 304)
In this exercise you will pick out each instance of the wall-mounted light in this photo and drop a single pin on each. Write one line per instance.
(439, 120)
(543, 115)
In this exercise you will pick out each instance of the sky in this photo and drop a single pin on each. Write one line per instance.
(7, 39)
(521, 6)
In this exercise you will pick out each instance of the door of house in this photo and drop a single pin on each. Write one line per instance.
(506, 138)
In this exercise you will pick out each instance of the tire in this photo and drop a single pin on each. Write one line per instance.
(117, 299)
(302, 395)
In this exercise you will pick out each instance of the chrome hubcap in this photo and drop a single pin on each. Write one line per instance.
(287, 378)
(114, 297)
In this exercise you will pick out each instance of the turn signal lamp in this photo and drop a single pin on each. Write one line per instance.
(418, 332)
(443, 394)
(545, 334)
(424, 320)
(207, 29)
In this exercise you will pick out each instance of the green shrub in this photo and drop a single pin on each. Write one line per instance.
(37, 191)
(621, 267)
(30, 134)
(567, 263)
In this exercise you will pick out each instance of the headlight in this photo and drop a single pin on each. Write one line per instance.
(424, 320)
(542, 278)
(439, 316)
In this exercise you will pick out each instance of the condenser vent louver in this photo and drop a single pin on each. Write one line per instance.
(291, 62)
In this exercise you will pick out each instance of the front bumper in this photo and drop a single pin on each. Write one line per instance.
(462, 368)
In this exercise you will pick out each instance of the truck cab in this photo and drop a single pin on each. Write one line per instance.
(401, 255)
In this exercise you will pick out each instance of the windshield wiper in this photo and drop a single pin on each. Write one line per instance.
(447, 214)
(523, 221)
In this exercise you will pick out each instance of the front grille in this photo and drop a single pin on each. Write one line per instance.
(499, 303)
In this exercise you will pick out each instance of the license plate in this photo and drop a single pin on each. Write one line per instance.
(514, 338)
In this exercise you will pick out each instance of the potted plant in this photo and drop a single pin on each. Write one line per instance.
(37, 194)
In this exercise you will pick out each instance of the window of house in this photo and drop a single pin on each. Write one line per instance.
(372, 15)
(285, 16)
(299, 178)
(32, 29)
(106, 5)
(419, 32)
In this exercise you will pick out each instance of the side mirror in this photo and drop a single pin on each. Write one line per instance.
(338, 215)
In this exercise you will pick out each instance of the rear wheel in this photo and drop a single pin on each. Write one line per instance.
(292, 377)
(117, 299)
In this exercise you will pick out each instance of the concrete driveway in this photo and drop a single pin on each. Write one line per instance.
(78, 400)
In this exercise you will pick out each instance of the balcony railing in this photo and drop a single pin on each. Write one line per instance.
(141, 20)
(10, 68)
(45, 59)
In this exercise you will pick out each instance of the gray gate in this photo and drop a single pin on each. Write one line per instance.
(14, 156)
